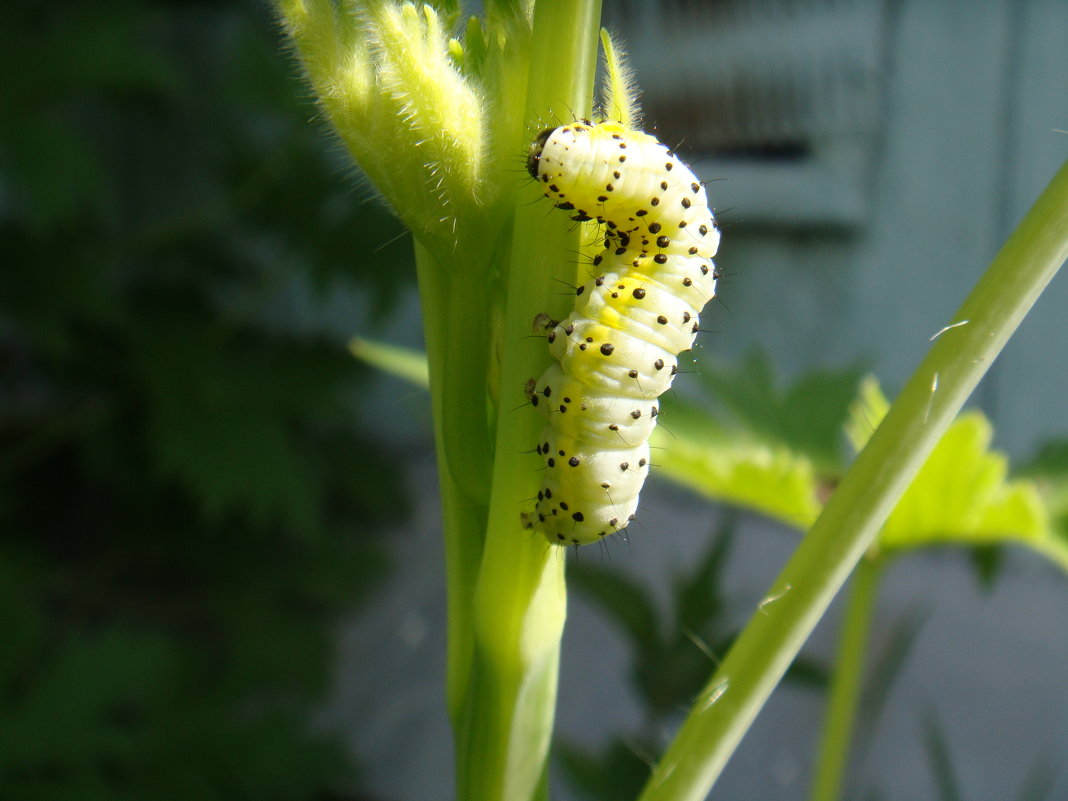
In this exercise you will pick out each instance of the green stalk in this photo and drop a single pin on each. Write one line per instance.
(520, 601)
(846, 682)
(464, 519)
(464, 420)
(852, 518)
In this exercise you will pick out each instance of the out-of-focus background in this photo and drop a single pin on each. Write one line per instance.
(220, 569)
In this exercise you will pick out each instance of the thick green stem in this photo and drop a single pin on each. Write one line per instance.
(852, 518)
(420, 129)
(464, 518)
(520, 602)
(846, 683)
(464, 419)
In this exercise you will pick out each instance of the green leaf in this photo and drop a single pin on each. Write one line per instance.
(617, 771)
(694, 636)
(401, 362)
(886, 666)
(474, 47)
(806, 417)
(699, 596)
(223, 408)
(962, 494)
(1040, 781)
(945, 773)
(1050, 461)
(1049, 470)
(623, 599)
(734, 466)
(54, 171)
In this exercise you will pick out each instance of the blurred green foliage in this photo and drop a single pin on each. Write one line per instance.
(187, 500)
(1049, 469)
(761, 446)
(672, 656)
(806, 416)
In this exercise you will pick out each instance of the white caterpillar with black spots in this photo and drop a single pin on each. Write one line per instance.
(618, 351)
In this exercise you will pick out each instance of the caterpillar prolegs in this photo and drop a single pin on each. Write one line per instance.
(618, 351)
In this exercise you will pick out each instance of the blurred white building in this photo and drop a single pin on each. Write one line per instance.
(869, 159)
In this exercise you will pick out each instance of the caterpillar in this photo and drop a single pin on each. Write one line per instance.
(618, 351)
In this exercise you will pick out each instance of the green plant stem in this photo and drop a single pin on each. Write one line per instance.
(519, 605)
(852, 518)
(846, 682)
(464, 420)
(464, 519)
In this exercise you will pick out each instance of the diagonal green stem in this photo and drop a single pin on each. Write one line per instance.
(847, 681)
(852, 518)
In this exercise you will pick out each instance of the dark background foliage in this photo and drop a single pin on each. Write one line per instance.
(188, 498)
(191, 494)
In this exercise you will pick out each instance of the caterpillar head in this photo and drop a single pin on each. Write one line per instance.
(599, 171)
(536, 148)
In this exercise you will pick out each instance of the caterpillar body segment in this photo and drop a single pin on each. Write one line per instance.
(599, 419)
(618, 351)
(608, 360)
(588, 492)
(641, 307)
(627, 180)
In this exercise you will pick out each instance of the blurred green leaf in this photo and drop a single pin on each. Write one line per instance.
(806, 671)
(1049, 471)
(1040, 780)
(22, 620)
(622, 598)
(54, 169)
(615, 772)
(962, 494)
(222, 415)
(699, 597)
(885, 669)
(695, 635)
(805, 418)
(404, 363)
(671, 657)
(97, 721)
(941, 759)
(730, 465)
(1050, 461)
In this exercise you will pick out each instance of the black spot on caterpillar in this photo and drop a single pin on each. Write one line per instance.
(633, 320)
